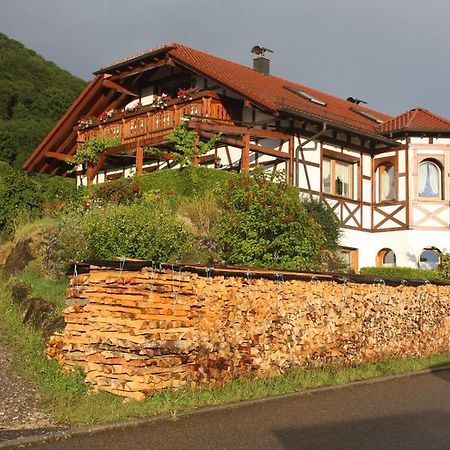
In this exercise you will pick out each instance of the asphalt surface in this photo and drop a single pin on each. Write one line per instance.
(405, 413)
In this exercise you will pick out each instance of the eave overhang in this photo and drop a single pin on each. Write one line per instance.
(372, 136)
(142, 57)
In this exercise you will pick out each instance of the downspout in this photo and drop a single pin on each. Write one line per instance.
(297, 152)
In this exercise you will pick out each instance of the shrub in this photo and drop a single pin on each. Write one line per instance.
(327, 220)
(200, 216)
(139, 230)
(22, 196)
(406, 273)
(123, 191)
(186, 182)
(19, 194)
(265, 224)
(444, 268)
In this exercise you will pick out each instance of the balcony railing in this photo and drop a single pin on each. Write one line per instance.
(149, 124)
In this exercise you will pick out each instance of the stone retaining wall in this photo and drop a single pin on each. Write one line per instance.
(134, 332)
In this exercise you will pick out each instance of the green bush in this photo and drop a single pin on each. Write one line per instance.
(139, 230)
(327, 220)
(186, 182)
(123, 191)
(23, 195)
(444, 268)
(264, 223)
(402, 273)
(19, 193)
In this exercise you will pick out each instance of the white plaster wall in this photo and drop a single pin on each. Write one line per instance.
(406, 244)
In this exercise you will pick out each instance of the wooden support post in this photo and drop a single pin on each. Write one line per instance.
(291, 161)
(92, 170)
(195, 160)
(245, 161)
(139, 159)
(89, 174)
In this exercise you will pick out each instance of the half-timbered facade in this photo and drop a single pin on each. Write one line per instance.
(386, 178)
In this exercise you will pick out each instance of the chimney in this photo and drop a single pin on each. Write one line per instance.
(261, 63)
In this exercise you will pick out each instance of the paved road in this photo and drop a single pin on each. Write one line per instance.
(406, 413)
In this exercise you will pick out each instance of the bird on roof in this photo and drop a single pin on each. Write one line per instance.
(355, 100)
(260, 51)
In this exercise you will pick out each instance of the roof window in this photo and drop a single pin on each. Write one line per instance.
(366, 115)
(305, 95)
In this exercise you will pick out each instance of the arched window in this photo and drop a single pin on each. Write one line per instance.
(430, 179)
(386, 258)
(430, 258)
(386, 182)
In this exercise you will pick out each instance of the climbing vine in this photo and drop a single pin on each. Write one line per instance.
(89, 151)
(186, 144)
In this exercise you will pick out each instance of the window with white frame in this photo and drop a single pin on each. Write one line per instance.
(430, 180)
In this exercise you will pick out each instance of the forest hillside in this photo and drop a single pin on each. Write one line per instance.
(34, 94)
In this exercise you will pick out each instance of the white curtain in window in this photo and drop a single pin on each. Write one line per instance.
(343, 178)
(326, 175)
(429, 179)
(387, 182)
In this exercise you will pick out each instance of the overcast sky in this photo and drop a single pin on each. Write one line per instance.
(392, 53)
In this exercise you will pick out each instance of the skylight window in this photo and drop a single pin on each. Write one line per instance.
(305, 95)
(366, 115)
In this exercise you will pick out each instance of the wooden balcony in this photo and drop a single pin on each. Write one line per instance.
(149, 125)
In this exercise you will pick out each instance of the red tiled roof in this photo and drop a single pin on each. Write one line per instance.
(266, 91)
(417, 119)
(269, 91)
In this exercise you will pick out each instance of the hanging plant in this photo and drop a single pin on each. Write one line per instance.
(89, 151)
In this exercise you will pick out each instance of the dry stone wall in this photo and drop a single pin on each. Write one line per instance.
(135, 332)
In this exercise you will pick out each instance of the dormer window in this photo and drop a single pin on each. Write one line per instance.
(305, 95)
(430, 180)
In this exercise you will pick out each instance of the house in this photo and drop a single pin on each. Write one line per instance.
(386, 178)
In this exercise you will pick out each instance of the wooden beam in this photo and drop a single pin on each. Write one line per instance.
(139, 159)
(55, 155)
(195, 160)
(147, 67)
(94, 109)
(238, 131)
(291, 161)
(253, 147)
(111, 85)
(245, 160)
